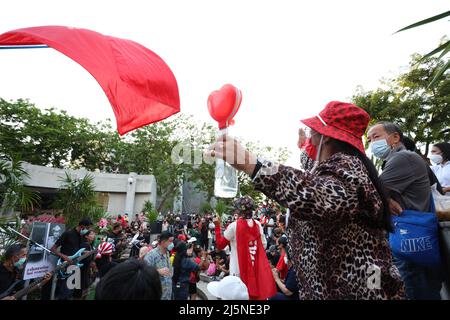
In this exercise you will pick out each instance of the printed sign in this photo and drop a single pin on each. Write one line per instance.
(39, 261)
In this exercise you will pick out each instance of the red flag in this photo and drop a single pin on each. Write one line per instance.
(256, 275)
(138, 83)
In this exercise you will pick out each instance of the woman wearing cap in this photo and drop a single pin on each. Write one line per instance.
(338, 212)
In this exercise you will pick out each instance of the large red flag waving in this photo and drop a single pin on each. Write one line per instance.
(138, 83)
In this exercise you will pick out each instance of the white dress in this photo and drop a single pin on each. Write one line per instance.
(230, 235)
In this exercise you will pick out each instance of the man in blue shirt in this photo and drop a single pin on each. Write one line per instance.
(160, 259)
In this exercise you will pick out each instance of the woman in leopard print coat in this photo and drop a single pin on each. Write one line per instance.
(338, 214)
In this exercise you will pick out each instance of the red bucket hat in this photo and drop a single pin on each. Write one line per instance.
(341, 121)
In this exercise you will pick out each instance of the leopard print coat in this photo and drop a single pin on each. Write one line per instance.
(336, 248)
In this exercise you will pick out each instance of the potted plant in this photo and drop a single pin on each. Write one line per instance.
(152, 216)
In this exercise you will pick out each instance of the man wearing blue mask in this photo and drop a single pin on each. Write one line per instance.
(405, 178)
(159, 258)
(69, 243)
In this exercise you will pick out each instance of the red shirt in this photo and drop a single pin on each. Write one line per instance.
(193, 276)
(282, 267)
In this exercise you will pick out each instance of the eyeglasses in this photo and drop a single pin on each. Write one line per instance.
(308, 132)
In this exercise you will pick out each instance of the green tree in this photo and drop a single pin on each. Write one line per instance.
(421, 111)
(46, 137)
(13, 192)
(8, 237)
(56, 139)
(77, 199)
(276, 154)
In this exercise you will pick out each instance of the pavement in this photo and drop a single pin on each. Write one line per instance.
(202, 292)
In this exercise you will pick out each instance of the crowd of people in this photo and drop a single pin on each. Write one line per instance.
(183, 250)
(319, 235)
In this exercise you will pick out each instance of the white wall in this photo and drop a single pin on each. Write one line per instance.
(116, 185)
(116, 203)
(47, 177)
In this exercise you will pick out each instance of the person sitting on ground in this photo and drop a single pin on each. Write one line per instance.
(282, 266)
(273, 255)
(103, 260)
(135, 222)
(130, 280)
(273, 240)
(199, 256)
(223, 267)
(289, 287)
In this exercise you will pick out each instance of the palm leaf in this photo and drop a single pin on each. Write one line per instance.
(428, 20)
(13, 192)
(8, 237)
(445, 51)
(77, 199)
(445, 48)
(439, 74)
(221, 208)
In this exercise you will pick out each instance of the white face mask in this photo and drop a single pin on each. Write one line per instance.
(436, 158)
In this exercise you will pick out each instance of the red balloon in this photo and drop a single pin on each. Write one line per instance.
(223, 105)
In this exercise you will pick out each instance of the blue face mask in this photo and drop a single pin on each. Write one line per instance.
(84, 232)
(380, 148)
(19, 263)
(170, 246)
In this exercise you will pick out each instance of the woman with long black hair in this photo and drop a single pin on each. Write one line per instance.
(182, 268)
(339, 214)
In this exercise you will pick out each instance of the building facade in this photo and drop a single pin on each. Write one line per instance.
(118, 193)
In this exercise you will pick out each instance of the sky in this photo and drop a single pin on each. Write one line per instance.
(289, 58)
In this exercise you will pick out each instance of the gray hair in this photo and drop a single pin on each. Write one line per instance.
(391, 128)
